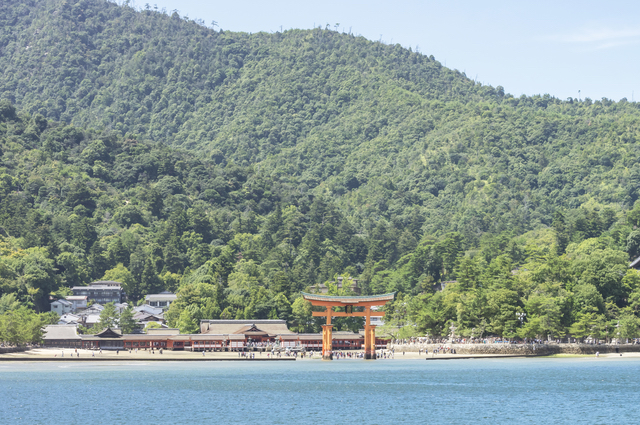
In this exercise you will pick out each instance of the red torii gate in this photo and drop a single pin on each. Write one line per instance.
(348, 302)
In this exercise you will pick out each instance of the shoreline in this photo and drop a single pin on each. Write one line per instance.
(84, 355)
(123, 359)
(70, 355)
(498, 349)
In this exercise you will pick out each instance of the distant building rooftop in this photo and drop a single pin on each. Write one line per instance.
(76, 298)
(163, 296)
(163, 331)
(105, 283)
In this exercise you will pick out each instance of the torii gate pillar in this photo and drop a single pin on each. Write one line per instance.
(370, 342)
(327, 338)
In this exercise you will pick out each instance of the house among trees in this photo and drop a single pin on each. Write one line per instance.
(62, 307)
(70, 319)
(69, 304)
(162, 300)
(102, 291)
(79, 302)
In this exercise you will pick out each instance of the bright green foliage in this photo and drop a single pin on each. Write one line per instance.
(8, 302)
(22, 325)
(126, 322)
(109, 318)
(302, 319)
(629, 326)
(153, 325)
(120, 274)
(198, 300)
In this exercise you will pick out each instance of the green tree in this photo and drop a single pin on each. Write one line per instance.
(189, 320)
(126, 322)
(153, 325)
(9, 302)
(301, 311)
(121, 274)
(108, 317)
(629, 326)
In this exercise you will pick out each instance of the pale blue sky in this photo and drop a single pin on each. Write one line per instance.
(529, 47)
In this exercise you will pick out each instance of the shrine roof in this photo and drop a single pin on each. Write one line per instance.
(109, 333)
(251, 330)
(226, 327)
(349, 299)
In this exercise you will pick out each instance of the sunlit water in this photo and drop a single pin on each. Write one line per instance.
(576, 390)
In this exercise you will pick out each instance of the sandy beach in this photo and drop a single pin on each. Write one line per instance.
(70, 354)
(52, 354)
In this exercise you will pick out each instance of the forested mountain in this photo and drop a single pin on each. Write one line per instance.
(239, 169)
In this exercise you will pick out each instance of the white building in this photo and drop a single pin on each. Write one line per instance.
(102, 291)
(147, 309)
(162, 300)
(69, 319)
(79, 302)
(61, 307)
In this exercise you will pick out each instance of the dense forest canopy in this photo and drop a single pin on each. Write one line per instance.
(238, 169)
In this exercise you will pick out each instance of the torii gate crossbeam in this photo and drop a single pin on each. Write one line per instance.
(330, 301)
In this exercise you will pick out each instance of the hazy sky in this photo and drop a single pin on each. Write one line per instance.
(528, 47)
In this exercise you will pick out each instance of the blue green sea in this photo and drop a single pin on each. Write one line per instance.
(523, 391)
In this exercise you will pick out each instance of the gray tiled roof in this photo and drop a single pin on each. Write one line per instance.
(161, 297)
(351, 299)
(272, 327)
(60, 332)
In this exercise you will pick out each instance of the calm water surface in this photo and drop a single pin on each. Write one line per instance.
(577, 390)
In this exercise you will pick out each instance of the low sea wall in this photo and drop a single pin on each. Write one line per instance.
(519, 349)
(7, 350)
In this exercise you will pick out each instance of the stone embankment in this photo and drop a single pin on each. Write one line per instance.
(7, 350)
(519, 349)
